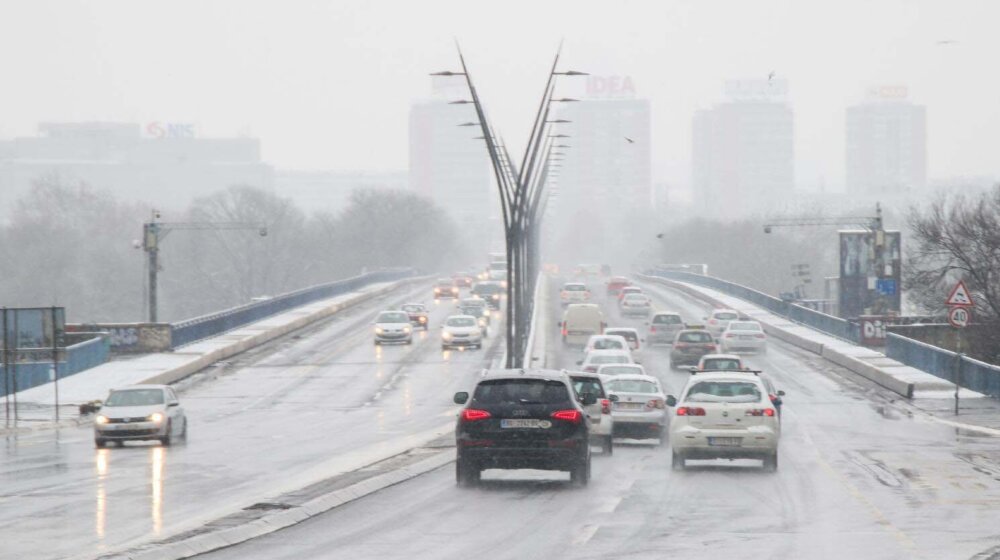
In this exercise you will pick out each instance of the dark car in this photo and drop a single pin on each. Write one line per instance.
(690, 345)
(523, 419)
(445, 288)
(463, 279)
(491, 291)
(418, 314)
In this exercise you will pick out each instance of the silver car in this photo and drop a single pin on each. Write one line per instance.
(393, 327)
(140, 412)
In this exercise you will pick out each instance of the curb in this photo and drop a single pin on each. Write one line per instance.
(224, 538)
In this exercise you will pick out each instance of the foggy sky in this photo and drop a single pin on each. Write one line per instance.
(327, 85)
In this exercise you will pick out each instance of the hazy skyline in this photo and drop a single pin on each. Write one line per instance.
(328, 85)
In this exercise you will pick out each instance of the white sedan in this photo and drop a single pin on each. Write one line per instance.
(636, 305)
(461, 331)
(639, 408)
(724, 415)
(140, 412)
(743, 336)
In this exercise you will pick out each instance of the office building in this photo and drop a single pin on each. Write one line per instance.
(886, 144)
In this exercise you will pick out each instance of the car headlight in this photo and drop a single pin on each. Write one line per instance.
(486, 313)
(406, 329)
(156, 417)
(378, 330)
(101, 419)
(446, 335)
(482, 321)
(496, 296)
(437, 290)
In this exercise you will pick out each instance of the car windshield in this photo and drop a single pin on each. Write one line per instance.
(724, 391)
(630, 336)
(575, 288)
(667, 320)
(135, 397)
(726, 316)
(695, 337)
(632, 386)
(612, 359)
(588, 385)
(619, 370)
(521, 391)
(722, 363)
(461, 322)
(393, 317)
(744, 327)
(607, 344)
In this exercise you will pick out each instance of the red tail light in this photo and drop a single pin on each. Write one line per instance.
(472, 414)
(565, 332)
(681, 345)
(652, 329)
(573, 416)
(760, 412)
(690, 411)
(654, 403)
(712, 321)
(605, 406)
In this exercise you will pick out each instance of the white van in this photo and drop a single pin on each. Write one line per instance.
(580, 322)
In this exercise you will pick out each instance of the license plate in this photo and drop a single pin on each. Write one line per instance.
(631, 405)
(725, 441)
(747, 337)
(525, 423)
(576, 333)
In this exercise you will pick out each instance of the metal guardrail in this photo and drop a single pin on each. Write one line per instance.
(199, 328)
(969, 373)
(79, 357)
(833, 326)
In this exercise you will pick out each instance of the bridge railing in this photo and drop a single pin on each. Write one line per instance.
(969, 373)
(91, 352)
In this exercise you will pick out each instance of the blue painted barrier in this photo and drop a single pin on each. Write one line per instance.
(79, 357)
(199, 328)
(975, 375)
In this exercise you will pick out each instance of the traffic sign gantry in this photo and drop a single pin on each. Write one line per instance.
(959, 317)
(959, 296)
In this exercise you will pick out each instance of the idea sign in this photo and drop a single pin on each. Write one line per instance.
(615, 87)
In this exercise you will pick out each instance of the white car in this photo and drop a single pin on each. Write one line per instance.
(639, 406)
(636, 305)
(393, 327)
(743, 336)
(664, 326)
(719, 319)
(721, 362)
(461, 330)
(601, 421)
(140, 412)
(606, 342)
(724, 415)
(632, 337)
(611, 370)
(597, 358)
(574, 292)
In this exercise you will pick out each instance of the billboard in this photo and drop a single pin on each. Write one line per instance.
(870, 265)
(30, 334)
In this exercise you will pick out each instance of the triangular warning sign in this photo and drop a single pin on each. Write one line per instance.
(959, 295)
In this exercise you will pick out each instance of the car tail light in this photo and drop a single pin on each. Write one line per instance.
(690, 411)
(605, 406)
(572, 416)
(472, 414)
(760, 412)
(730, 335)
(681, 345)
(654, 403)
(712, 321)
(652, 329)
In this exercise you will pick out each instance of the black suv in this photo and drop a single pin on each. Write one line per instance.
(522, 419)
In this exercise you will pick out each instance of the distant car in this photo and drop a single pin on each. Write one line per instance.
(580, 321)
(724, 415)
(690, 345)
(490, 291)
(606, 342)
(719, 319)
(626, 290)
(445, 288)
(663, 327)
(461, 331)
(522, 419)
(574, 292)
(418, 314)
(631, 336)
(140, 412)
(463, 279)
(601, 421)
(721, 362)
(611, 370)
(743, 336)
(597, 358)
(477, 308)
(393, 327)
(605, 270)
(616, 283)
(640, 407)
(636, 305)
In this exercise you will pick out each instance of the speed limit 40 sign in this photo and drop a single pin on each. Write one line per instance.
(959, 317)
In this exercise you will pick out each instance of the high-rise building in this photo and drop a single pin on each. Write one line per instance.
(447, 163)
(742, 153)
(163, 164)
(886, 149)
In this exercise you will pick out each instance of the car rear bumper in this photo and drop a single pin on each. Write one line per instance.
(555, 458)
(694, 443)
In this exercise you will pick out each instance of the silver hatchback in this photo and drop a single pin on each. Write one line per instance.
(140, 412)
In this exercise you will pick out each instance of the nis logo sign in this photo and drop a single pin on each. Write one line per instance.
(614, 87)
(157, 129)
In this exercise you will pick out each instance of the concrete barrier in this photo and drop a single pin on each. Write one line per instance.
(536, 349)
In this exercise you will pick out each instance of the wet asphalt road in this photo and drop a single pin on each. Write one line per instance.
(861, 476)
(283, 416)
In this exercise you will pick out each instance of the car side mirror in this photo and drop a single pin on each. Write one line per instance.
(671, 401)
(613, 397)
(588, 399)
(173, 403)
(781, 393)
(579, 362)
(461, 397)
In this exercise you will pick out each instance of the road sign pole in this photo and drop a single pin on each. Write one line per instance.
(959, 357)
